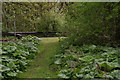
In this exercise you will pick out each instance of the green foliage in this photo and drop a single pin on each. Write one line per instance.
(32, 16)
(84, 23)
(92, 23)
(9, 37)
(16, 55)
(88, 61)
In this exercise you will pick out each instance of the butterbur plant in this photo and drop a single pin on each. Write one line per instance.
(91, 62)
(17, 55)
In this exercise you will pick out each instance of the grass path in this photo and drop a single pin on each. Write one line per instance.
(39, 67)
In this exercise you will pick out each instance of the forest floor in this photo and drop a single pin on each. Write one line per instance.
(39, 67)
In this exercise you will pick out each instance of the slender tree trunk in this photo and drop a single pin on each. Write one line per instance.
(14, 25)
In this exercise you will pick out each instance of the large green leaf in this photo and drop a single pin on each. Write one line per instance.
(63, 76)
(58, 61)
(108, 66)
(86, 58)
(11, 73)
(116, 74)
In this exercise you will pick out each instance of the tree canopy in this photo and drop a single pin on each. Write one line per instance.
(84, 22)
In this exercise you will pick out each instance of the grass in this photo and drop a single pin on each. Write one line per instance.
(39, 67)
